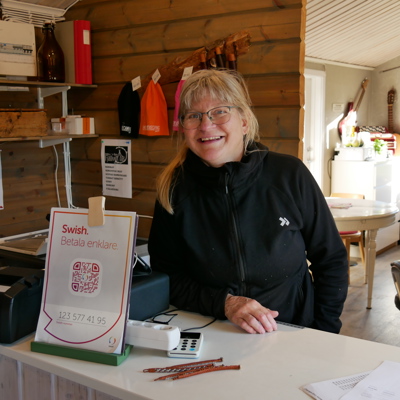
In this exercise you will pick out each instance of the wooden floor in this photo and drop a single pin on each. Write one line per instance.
(382, 322)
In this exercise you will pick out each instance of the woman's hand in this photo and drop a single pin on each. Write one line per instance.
(250, 315)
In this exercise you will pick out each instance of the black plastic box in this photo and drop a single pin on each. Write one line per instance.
(149, 295)
(20, 303)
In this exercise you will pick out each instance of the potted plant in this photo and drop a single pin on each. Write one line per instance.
(379, 147)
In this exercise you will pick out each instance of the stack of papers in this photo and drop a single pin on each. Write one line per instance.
(380, 384)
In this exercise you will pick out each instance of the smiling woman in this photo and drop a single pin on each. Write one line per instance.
(235, 223)
(202, 92)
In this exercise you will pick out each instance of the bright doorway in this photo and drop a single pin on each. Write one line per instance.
(314, 123)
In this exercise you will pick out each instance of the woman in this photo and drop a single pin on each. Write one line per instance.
(235, 224)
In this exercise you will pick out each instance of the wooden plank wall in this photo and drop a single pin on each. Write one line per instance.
(29, 186)
(132, 38)
(28, 174)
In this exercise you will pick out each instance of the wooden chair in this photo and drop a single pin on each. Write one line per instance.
(353, 236)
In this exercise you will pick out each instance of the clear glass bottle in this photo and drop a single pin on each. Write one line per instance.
(50, 57)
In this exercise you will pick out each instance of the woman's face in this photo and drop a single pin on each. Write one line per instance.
(216, 144)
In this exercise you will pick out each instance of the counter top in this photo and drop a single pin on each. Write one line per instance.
(277, 363)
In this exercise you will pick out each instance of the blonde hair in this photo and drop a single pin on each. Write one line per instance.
(225, 86)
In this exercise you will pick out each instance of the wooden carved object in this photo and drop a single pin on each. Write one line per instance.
(237, 43)
(390, 101)
(351, 111)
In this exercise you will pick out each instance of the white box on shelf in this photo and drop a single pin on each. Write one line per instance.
(78, 125)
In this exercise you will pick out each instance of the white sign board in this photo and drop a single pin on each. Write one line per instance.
(87, 280)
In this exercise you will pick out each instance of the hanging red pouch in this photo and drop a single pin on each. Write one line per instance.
(153, 112)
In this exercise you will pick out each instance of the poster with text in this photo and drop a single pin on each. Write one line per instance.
(116, 168)
(87, 280)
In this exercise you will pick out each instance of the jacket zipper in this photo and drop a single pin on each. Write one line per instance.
(236, 237)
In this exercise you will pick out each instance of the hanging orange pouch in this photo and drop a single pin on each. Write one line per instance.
(153, 112)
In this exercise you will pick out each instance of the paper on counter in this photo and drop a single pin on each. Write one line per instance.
(382, 383)
(333, 389)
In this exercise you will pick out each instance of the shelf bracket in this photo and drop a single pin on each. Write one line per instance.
(49, 91)
(52, 142)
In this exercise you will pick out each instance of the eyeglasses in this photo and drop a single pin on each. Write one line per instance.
(218, 116)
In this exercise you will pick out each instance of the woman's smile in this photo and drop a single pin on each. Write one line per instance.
(209, 139)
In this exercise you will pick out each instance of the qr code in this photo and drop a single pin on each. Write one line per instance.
(85, 277)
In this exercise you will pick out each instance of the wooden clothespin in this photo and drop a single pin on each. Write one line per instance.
(96, 211)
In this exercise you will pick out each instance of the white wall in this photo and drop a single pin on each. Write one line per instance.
(343, 85)
(384, 78)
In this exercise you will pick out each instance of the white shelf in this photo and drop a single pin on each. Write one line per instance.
(47, 139)
(45, 89)
(37, 84)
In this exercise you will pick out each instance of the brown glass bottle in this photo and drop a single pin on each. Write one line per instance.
(50, 57)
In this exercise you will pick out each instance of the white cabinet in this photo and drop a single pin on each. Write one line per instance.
(376, 180)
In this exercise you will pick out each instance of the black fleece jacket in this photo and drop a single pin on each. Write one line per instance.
(248, 228)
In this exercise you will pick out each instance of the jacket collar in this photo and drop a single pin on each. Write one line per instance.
(237, 172)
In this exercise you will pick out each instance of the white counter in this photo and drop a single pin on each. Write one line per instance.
(273, 366)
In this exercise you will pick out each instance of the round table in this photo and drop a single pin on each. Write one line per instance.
(363, 215)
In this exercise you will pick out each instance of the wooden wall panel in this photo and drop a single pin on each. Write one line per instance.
(31, 383)
(142, 202)
(266, 90)
(274, 122)
(28, 99)
(257, 61)
(29, 187)
(132, 38)
(286, 147)
(8, 378)
(67, 389)
(89, 171)
(17, 99)
(127, 13)
(144, 150)
(176, 35)
(278, 122)
(139, 39)
(36, 383)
